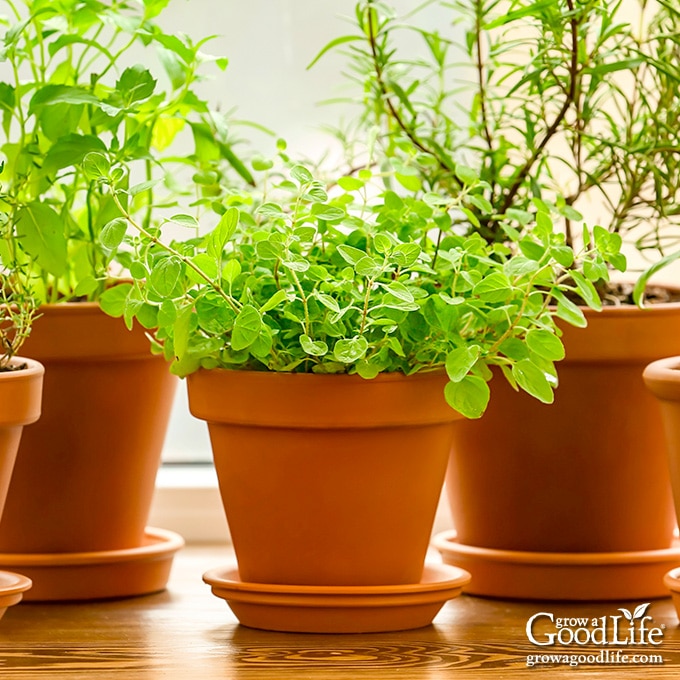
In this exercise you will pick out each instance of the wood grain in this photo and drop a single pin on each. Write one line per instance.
(186, 633)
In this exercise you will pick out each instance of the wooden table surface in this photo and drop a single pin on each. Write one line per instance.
(187, 633)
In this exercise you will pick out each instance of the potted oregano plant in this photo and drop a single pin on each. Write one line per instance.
(568, 103)
(72, 85)
(20, 390)
(323, 329)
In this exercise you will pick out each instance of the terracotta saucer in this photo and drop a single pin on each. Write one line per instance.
(338, 609)
(560, 576)
(672, 582)
(12, 589)
(99, 575)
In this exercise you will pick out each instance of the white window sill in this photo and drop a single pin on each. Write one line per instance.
(187, 501)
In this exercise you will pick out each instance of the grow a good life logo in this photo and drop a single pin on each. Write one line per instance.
(628, 638)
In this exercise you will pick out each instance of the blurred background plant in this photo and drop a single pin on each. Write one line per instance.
(70, 86)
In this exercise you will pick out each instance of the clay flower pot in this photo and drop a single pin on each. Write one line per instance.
(329, 482)
(586, 476)
(85, 473)
(662, 378)
(20, 399)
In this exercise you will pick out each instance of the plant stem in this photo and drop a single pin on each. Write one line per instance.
(521, 176)
(481, 79)
(232, 302)
(380, 79)
(303, 297)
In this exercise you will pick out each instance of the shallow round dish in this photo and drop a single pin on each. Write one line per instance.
(672, 582)
(99, 575)
(12, 589)
(560, 576)
(338, 609)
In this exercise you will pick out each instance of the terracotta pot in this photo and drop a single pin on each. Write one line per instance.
(586, 474)
(85, 474)
(20, 400)
(662, 378)
(327, 479)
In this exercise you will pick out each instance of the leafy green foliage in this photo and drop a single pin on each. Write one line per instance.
(574, 103)
(303, 277)
(71, 106)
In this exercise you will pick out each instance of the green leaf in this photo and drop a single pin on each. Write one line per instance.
(520, 266)
(459, 362)
(270, 210)
(60, 94)
(96, 165)
(226, 227)
(351, 183)
(85, 287)
(641, 283)
(349, 350)
(587, 291)
(351, 254)
(329, 213)
(274, 301)
(181, 332)
(147, 315)
(399, 291)
(112, 300)
(40, 232)
(406, 254)
(327, 301)
(545, 344)
(532, 380)
(142, 187)
(481, 203)
(135, 84)
(165, 276)
(167, 313)
(368, 267)
(70, 150)
(563, 255)
(184, 221)
(332, 44)
(409, 182)
(469, 397)
(269, 250)
(466, 175)
(495, 287)
(213, 313)
(138, 270)
(394, 344)
(231, 271)
(301, 174)
(569, 311)
(316, 349)
(113, 233)
(247, 328)
(367, 369)
(295, 262)
(531, 249)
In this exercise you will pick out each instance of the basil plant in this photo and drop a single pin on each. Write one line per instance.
(71, 84)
